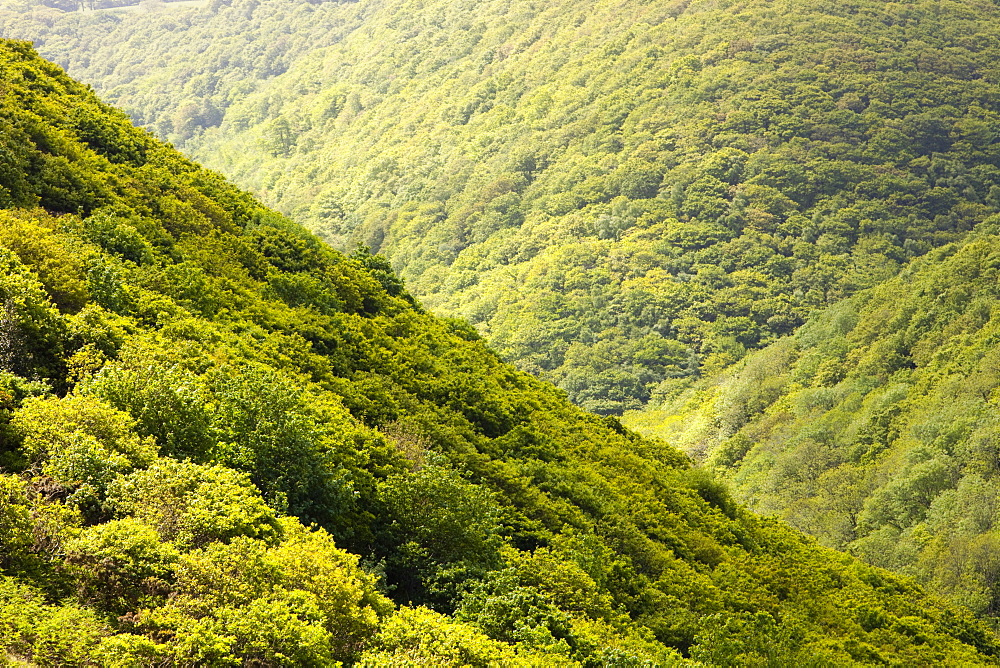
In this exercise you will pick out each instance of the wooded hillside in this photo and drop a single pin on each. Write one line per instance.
(874, 427)
(621, 196)
(224, 443)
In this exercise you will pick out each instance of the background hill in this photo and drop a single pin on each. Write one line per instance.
(224, 443)
(620, 195)
(874, 427)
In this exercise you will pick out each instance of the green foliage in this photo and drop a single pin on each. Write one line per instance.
(249, 418)
(873, 427)
(192, 504)
(36, 241)
(620, 196)
(122, 565)
(444, 533)
(31, 333)
(534, 600)
(47, 635)
(80, 444)
(421, 637)
(303, 602)
(16, 525)
(238, 444)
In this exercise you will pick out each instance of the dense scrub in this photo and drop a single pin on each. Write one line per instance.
(224, 443)
(619, 195)
(874, 427)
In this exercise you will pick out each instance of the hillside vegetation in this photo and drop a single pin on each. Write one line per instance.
(621, 196)
(875, 426)
(224, 443)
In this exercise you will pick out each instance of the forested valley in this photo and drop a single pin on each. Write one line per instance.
(762, 234)
(621, 196)
(227, 444)
(874, 427)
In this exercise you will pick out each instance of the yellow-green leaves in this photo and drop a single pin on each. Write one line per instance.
(122, 565)
(302, 602)
(16, 525)
(421, 637)
(192, 504)
(45, 635)
(81, 443)
(56, 258)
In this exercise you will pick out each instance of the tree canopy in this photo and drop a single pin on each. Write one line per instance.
(621, 196)
(874, 427)
(224, 443)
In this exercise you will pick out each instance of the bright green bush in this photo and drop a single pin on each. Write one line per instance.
(16, 525)
(193, 504)
(421, 637)
(302, 602)
(80, 443)
(122, 565)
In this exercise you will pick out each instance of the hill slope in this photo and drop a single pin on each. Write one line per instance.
(619, 195)
(874, 427)
(204, 407)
